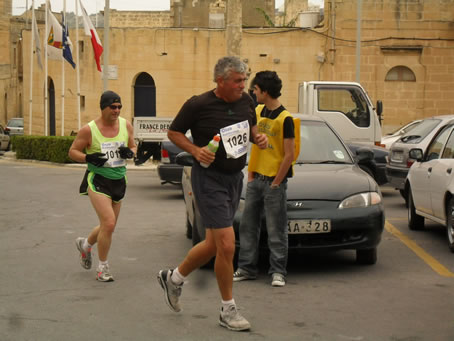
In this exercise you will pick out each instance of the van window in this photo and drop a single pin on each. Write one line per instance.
(350, 102)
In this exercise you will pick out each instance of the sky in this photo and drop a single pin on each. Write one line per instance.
(93, 6)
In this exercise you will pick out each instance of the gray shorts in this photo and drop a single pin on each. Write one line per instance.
(217, 195)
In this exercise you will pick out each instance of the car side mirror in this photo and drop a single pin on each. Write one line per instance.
(379, 110)
(416, 154)
(364, 155)
(379, 107)
(184, 159)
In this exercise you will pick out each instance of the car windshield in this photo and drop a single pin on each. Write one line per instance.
(319, 144)
(405, 128)
(421, 130)
(16, 123)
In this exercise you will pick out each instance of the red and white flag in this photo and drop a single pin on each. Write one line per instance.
(91, 32)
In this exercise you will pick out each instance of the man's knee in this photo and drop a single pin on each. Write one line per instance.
(108, 225)
(226, 249)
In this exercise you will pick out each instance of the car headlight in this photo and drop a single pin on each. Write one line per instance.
(361, 200)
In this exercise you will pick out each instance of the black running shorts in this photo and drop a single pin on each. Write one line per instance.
(114, 189)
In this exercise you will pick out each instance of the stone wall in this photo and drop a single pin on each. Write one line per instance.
(413, 33)
(7, 89)
(140, 19)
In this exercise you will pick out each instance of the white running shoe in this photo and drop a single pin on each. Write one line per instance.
(104, 274)
(85, 256)
(172, 291)
(233, 320)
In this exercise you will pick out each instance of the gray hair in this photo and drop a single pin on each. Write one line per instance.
(226, 65)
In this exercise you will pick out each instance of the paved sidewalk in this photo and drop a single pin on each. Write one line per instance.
(149, 165)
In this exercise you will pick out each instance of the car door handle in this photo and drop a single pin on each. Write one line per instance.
(449, 170)
(429, 169)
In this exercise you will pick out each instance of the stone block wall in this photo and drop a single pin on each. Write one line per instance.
(140, 19)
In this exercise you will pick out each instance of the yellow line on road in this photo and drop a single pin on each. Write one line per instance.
(432, 262)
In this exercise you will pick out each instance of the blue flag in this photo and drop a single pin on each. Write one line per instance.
(66, 43)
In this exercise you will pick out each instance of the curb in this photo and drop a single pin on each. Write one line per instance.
(130, 166)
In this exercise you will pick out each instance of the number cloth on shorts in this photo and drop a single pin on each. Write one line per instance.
(114, 189)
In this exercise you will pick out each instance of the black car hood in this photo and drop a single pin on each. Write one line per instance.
(327, 182)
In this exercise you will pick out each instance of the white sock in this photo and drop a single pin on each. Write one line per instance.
(86, 245)
(103, 263)
(177, 278)
(226, 304)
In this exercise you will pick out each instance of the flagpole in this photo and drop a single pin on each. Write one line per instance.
(78, 66)
(63, 74)
(31, 70)
(105, 70)
(46, 71)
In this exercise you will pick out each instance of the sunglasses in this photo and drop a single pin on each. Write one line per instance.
(113, 107)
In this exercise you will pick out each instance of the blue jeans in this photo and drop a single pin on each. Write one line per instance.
(272, 202)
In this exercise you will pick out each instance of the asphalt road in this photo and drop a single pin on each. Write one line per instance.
(46, 295)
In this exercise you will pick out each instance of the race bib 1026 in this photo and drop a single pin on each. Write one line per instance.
(236, 139)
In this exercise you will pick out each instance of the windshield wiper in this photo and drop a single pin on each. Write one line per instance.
(333, 161)
(410, 137)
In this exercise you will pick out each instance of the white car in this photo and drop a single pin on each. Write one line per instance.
(430, 183)
(392, 137)
(4, 139)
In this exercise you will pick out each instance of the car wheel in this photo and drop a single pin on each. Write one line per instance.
(404, 195)
(449, 224)
(415, 221)
(366, 256)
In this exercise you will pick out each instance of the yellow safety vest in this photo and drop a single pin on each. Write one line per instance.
(267, 161)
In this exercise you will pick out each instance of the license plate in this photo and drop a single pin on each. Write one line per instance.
(397, 157)
(309, 226)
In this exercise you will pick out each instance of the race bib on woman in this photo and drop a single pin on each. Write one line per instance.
(113, 154)
(236, 139)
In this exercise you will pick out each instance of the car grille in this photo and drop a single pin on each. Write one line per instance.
(317, 240)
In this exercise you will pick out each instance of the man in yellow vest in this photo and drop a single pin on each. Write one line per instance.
(268, 171)
(104, 144)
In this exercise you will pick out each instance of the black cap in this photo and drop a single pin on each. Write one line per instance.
(109, 97)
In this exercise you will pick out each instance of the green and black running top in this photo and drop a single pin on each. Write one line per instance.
(115, 167)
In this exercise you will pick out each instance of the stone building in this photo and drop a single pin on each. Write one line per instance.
(407, 58)
(7, 65)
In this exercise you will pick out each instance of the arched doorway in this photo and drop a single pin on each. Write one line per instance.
(144, 96)
(51, 103)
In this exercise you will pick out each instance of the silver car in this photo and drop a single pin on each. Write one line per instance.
(15, 126)
(399, 161)
(392, 137)
(430, 183)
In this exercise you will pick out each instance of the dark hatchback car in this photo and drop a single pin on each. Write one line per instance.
(332, 204)
(168, 170)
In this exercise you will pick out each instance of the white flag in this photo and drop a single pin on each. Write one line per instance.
(55, 38)
(37, 42)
